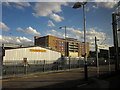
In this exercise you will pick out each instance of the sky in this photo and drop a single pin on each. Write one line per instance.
(21, 21)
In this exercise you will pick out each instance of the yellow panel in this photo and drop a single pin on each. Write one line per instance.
(36, 50)
(73, 54)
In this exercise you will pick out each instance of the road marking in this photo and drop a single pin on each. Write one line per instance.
(34, 76)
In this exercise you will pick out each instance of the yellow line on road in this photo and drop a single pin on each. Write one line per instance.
(26, 77)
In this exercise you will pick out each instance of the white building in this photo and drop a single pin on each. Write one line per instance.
(31, 53)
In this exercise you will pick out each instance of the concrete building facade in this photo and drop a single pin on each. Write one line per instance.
(70, 47)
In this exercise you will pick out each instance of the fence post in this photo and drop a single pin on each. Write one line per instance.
(44, 66)
(25, 69)
(109, 61)
(57, 65)
(69, 63)
(64, 63)
(14, 67)
(79, 63)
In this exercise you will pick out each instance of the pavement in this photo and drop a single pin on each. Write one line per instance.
(111, 81)
(73, 78)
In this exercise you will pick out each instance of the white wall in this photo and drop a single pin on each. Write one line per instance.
(20, 53)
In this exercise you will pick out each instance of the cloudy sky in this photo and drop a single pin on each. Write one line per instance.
(21, 21)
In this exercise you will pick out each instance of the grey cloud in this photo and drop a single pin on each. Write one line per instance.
(15, 40)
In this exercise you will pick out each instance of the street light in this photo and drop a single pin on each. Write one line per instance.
(79, 5)
(65, 40)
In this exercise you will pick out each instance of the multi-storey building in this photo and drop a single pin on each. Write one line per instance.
(67, 47)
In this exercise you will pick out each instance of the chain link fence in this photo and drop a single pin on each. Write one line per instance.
(19, 67)
(32, 66)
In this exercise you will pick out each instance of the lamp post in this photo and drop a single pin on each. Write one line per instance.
(65, 40)
(79, 5)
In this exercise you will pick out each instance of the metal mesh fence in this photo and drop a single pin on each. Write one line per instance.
(18, 67)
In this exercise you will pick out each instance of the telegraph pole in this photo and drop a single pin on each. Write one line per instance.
(96, 51)
(115, 37)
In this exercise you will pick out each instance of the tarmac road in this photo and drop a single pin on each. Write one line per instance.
(60, 79)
